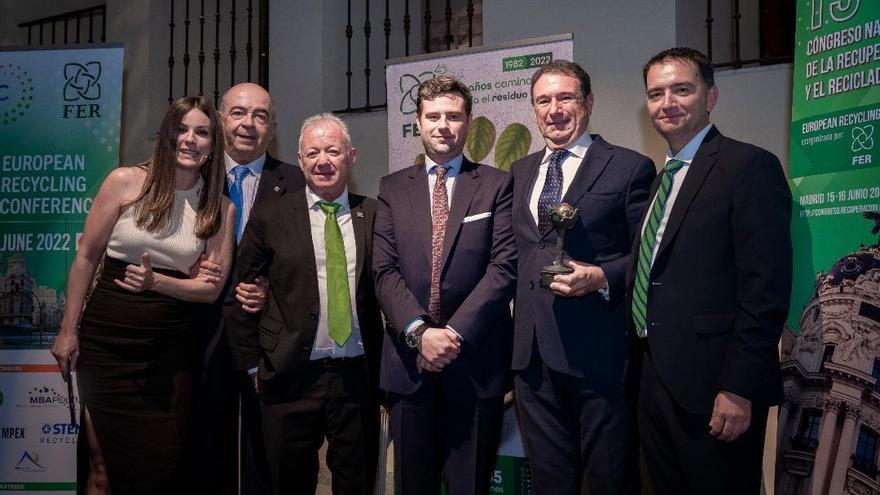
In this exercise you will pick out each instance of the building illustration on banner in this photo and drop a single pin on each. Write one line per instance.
(829, 423)
(29, 313)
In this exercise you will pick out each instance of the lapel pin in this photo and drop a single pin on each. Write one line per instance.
(360, 214)
(277, 188)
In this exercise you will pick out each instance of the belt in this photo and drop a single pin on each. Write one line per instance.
(340, 362)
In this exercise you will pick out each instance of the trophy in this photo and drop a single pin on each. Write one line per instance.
(563, 217)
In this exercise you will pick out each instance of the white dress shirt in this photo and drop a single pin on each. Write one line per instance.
(324, 345)
(577, 152)
(249, 184)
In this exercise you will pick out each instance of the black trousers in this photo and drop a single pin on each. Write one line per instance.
(573, 427)
(683, 457)
(444, 427)
(333, 400)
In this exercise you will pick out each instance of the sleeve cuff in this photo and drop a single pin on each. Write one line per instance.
(413, 325)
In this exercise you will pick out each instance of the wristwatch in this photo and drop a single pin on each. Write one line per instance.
(414, 338)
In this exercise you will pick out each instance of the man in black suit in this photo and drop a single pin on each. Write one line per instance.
(221, 394)
(710, 290)
(444, 268)
(314, 350)
(570, 352)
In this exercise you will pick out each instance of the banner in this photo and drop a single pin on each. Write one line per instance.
(502, 131)
(59, 137)
(835, 165)
(499, 78)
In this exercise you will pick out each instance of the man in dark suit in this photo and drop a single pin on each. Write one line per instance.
(314, 350)
(570, 350)
(444, 268)
(710, 290)
(221, 394)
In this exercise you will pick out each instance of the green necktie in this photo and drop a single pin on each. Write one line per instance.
(646, 247)
(338, 299)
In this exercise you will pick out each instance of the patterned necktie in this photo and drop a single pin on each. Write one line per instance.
(236, 194)
(646, 247)
(439, 215)
(551, 194)
(338, 298)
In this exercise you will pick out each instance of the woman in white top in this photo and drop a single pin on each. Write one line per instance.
(130, 347)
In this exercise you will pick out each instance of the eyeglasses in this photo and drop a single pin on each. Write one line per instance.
(258, 115)
(565, 100)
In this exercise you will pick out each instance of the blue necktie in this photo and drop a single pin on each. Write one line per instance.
(551, 194)
(236, 194)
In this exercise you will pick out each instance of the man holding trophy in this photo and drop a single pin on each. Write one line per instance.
(570, 350)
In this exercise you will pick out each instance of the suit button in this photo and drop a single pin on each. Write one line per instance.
(532, 285)
(541, 245)
(313, 315)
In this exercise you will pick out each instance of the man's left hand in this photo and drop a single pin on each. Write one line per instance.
(586, 278)
(730, 417)
(252, 297)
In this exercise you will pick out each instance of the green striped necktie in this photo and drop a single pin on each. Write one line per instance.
(646, 246)
(338, 299)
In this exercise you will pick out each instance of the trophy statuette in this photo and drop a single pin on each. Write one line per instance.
(563, 217)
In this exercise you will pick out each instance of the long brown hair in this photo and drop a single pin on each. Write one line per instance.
(154, 204)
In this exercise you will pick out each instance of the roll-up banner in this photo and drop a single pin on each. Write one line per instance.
(835, 164)
(502, 131)
(59, 137)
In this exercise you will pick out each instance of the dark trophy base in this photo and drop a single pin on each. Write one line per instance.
(551, 271)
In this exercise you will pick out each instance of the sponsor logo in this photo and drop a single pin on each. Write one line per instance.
(16, 93)
(30, 463)
(45, 397)
(11, 432)
(409, 87)
(58, 433)
(82, 84)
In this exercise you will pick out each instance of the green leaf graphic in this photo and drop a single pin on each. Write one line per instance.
(480, 138)
(512, 145)
(420, 159)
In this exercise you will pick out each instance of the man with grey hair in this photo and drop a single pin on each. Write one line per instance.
(315, 347)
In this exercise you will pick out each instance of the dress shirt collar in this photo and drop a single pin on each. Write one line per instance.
(313, 200)
(578, 148)
(689, 151)
(453, 165)
(256, 166)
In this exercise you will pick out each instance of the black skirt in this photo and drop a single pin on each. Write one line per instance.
(134, 381)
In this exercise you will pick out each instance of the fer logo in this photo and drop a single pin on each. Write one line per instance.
(82, 81)
(409, 87)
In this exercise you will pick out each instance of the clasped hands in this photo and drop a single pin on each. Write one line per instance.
(585, 279)
(438, 348)
(252, 297)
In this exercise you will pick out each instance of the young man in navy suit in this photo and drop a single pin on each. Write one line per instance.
(444, 263)
(570, 352)
(709, 290)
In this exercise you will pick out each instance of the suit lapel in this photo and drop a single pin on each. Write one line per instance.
(699, 168)
(302, 229)
(360, 233)
(527, 187)
(466, 185)
(592, 166)
(271, 180)
(420, 205)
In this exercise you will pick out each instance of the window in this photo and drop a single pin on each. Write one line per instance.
(866, 452)
(827, 355)
(807, 437)
(875, 372)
